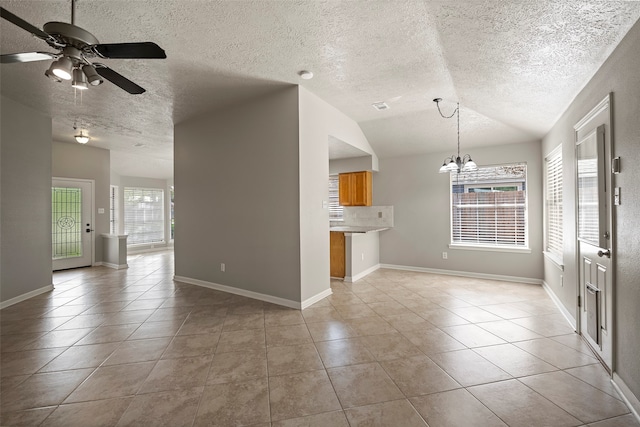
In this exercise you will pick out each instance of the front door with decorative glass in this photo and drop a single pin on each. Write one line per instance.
(71, 223)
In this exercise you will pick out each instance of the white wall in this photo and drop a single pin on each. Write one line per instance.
(420, 197)
(318, 121)
(25, 208)
(73, 160)
(619, 74)
(238, 196)
(353, 164)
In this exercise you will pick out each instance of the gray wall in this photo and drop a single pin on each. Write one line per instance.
(236, 174)
(420, 197)
(25, 211)
(352, 164)
(619, 75)
(73, 160)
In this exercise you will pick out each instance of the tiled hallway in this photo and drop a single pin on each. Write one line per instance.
(134, 348)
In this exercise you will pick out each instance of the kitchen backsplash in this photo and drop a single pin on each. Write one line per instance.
(374, 216)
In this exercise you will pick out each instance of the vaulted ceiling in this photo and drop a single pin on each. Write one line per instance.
(514, 66)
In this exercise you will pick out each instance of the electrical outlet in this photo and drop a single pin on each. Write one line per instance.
(362, 257)
(444, 255)
(222, 267)
(379, 214)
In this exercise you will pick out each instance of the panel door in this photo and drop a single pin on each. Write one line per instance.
(71, 227)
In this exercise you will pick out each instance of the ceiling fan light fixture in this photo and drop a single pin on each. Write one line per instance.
(92, 75)
(79, 80)
(52, 76)
(62, 68)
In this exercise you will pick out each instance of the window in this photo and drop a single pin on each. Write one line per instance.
(113, 210)
(144, 215)
(489, 207)
(335, 210)
(173, 217)
(553, 203)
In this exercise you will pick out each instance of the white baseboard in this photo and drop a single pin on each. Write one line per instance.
(26, 296)
(362, 274)
(561, 307)
(528, 280)
(314, 299)
(238, 291)
(629, 398)
(116, 266)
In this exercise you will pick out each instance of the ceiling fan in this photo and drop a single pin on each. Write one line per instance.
(75, 48)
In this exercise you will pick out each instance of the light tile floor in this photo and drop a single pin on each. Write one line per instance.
(134, 348)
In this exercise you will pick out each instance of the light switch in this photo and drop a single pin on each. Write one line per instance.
(100, 210)
(324, 204)
(616, 196)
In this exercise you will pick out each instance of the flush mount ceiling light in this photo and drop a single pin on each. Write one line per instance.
(306, 75)
(455, 163)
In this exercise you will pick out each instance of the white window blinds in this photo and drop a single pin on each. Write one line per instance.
(489, 207)
(144, 215)
(553, 203)
(335, 210)
(113, 210)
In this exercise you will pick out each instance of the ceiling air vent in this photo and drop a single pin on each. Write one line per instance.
(380, 106)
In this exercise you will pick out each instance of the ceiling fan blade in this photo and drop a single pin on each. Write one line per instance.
(26, 57)
(118, 79)
(4, 13)
(130, 50)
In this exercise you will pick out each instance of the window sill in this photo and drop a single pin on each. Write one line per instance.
(518, 250)
(554, 259)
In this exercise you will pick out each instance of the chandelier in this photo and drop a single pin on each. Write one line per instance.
(455, 163)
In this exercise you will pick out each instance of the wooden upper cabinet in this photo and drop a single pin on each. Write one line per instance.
(355, 188)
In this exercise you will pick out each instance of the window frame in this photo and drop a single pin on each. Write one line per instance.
(552, 251)
(336, 211)
(161, 204)
(525, 248)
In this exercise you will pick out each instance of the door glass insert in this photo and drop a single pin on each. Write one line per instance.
(591, 200)
(66, 222)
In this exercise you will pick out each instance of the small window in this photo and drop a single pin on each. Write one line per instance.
(553, 204)
(489, 207)
(144, 215)
(335, 210)
(113, 210)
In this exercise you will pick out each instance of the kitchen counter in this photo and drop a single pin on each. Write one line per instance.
(356, 229)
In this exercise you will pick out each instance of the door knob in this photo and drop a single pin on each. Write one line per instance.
(606, 253)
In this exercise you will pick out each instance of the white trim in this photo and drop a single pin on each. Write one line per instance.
(469, 247)
(314, 299)
(602, 106)
(238, 291)
(554, 259)
(529, 280)
(23, 297)
(351, 279)
(115, 266)
(561, 307)
(627, 395)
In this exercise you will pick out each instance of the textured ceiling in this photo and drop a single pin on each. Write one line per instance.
(513, 65)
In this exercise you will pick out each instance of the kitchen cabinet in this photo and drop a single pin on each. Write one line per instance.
(355, 188)
(337, 254)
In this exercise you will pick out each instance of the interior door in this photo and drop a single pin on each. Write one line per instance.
(71, 223)
(593, 151)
